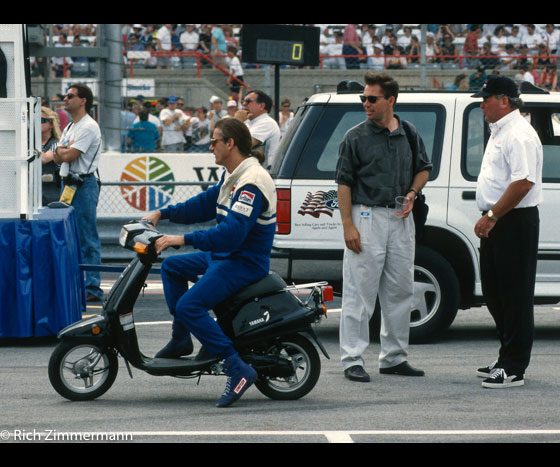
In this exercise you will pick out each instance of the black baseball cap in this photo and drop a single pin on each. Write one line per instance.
(495, 85)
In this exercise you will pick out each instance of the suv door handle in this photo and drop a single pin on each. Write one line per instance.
(469, 195)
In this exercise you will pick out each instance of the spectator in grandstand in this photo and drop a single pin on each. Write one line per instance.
(514, 38)
(413, 51)
(334, 52)
(498, 41)
(143, 135)
(231, 108)
(83, 29)
(351, 47)
(205, 42)
(449, 49)
(62, 66)
(235, 69)
(219, 45)
(525, 58)
(376, 59)
(200, 128)
(548, 79)
(508, 58)
(533, 39)
(174, 123)
(134, 44)
(477, 79)
(543, 57)
(189, 40)
(217, 111)
(552, 38)
(487, 59)
(432, 49)
(286, 116)
(367, 35)
(525, 75)
(152, 61)
(229, 35)
(460, 83)
(470, 47)
(442, 33)
(163, 40)
(147, 35)
(127, 119)
(405, 40)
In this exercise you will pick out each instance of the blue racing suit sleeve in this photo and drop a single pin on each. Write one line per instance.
(200, 208)
(233, 228)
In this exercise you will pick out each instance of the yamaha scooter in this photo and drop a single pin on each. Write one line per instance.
(268, 322)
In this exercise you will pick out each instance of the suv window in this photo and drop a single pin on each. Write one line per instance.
(320, 154)
(543, 117)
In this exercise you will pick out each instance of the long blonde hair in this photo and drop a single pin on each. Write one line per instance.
(53, 117)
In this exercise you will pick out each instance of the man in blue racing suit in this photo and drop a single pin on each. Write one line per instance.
(234, 253)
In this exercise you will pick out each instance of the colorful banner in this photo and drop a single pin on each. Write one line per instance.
(136, 200)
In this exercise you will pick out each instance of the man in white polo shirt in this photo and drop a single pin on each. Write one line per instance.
(509, 190)
(263, 128)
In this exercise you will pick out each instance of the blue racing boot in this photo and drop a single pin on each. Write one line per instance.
(240, 377)
(180, 344)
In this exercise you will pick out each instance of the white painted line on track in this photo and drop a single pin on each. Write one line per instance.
(338, 436)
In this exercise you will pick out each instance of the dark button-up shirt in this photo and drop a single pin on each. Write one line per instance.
(378, 164)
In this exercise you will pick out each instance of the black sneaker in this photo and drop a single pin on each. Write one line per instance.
(499, 379)
(486, 371)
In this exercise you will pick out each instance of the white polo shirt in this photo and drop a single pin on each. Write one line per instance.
(514, 152)
(265, 129)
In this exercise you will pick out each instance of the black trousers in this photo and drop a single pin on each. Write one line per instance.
(508, 266)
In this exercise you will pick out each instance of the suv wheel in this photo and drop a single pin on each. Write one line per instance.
(436, 298)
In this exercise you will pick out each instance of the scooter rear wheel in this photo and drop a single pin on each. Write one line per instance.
(307, 368)
(82, 372)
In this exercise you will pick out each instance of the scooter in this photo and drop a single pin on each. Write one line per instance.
(268, 323)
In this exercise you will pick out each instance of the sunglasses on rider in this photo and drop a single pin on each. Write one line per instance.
(371, 99)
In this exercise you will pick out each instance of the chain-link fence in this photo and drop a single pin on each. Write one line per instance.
(136, 199)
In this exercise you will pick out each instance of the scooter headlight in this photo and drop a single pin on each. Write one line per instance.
(122, 237)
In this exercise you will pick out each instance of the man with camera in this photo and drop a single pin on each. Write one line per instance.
(78, 153)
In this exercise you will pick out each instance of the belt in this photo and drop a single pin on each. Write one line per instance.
(390, 206)
(87, 175)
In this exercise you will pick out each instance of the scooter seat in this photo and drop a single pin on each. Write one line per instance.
(269, 284)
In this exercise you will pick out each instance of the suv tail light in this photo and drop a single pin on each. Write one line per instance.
(283, 211)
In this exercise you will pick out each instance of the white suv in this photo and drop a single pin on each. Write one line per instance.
(447, 276)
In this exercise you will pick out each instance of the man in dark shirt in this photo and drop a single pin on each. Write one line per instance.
(376, 164)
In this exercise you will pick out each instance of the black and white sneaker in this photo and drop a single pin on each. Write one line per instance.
(500, 379)
(486, 371)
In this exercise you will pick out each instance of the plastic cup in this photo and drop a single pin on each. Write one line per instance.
(401, 204)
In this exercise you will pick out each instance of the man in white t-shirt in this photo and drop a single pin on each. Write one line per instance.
(164, 44)
(264, 130)
(174, 122)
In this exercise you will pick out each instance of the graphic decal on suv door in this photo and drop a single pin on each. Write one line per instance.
(318, 203)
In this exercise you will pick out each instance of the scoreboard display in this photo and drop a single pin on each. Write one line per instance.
(280, 45)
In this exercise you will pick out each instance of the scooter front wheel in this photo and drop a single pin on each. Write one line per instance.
(82, 372)
(303, 356)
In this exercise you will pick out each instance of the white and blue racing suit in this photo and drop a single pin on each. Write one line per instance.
(234, 253)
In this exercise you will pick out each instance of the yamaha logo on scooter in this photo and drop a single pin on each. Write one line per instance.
(264, 319)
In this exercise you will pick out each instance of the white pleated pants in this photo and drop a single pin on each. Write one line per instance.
(385, 267)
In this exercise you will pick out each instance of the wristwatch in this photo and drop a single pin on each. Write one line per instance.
(492, 216)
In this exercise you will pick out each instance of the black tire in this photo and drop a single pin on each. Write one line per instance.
(307, 364)
(70, 376)
(436, 298)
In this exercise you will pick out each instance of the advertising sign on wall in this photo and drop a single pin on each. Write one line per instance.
(151, 172)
